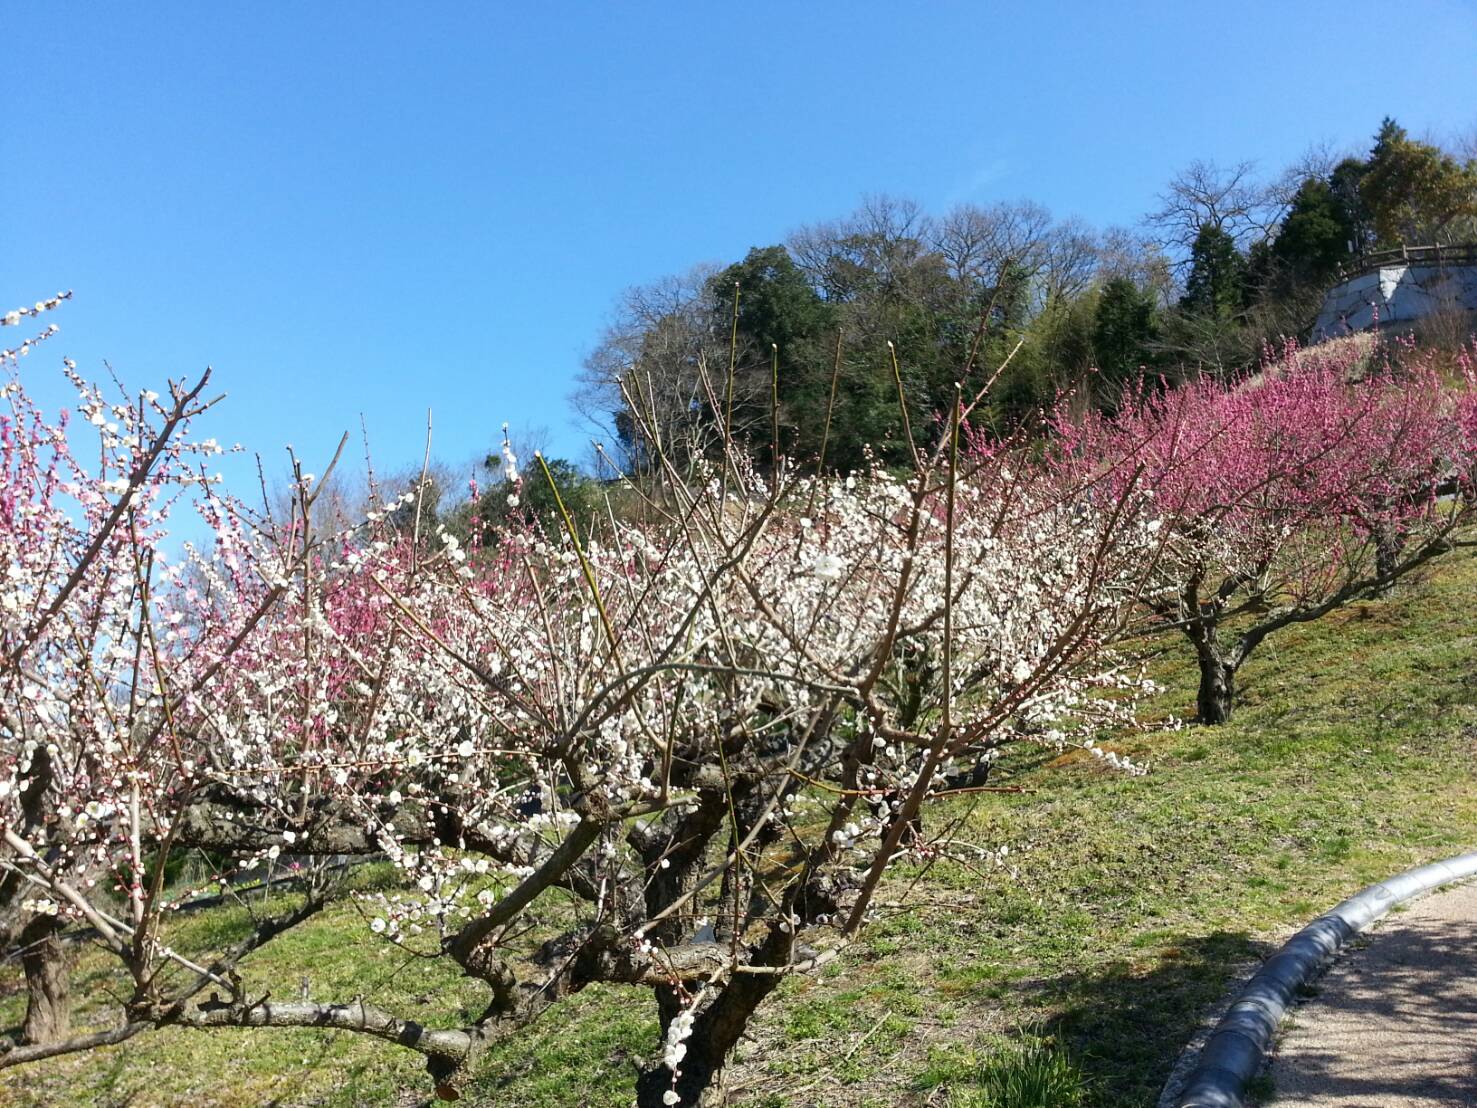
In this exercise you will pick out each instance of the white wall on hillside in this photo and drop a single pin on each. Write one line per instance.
(1396, 294)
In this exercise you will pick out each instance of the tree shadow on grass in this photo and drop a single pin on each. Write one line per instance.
(1126, 1023)
(1395, 1017)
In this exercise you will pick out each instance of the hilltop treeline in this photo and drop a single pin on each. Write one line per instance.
(1226, 263)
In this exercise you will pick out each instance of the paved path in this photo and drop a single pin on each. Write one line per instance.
(1393, 1024)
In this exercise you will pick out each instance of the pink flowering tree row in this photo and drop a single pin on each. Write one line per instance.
(674, 751)
(1286, 495)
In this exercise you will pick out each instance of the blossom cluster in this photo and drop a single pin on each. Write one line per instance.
(1287, 478)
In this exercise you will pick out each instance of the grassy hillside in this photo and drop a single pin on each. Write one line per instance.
(1126, 905)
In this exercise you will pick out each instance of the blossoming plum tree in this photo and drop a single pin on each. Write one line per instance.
(102, 645)
(675, 752)
(1288, 494)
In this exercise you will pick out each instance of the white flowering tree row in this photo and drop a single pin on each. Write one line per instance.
(675, 750)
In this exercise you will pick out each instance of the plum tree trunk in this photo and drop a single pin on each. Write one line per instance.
(700, 1086)
(1217, 695)
(699, 1082)
(48, 1001)
(1389, 544)
(701, 1079)
(43, 956)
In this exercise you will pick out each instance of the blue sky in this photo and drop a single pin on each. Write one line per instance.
(371, 209)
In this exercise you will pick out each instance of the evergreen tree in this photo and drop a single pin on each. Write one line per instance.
(1344, 188)
(780, 315)
(498, 507)
(1124, 326)
(1313, 240)
(1415, 192)
(1216, 286)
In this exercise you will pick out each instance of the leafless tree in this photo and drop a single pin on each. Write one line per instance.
(882, 242)
(1464, 145)
(1127, 253)
(1316, 163)
(1205, 194)
(978, 243)
(662, 364)
(1071, 258)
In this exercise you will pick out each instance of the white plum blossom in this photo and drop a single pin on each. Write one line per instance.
(678, 1032)
(828, 566)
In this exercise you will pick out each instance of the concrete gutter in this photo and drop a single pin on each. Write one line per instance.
(1238, 1047)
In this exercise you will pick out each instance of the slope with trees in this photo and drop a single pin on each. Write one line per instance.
(675, 756)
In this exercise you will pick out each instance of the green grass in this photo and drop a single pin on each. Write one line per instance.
(1028, 1070)
(1131, 903)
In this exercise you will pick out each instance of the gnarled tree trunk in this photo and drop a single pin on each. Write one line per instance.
(1389, 544)
(1217, 695)
(43, 956)
(48, 999)
(699, 1080)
